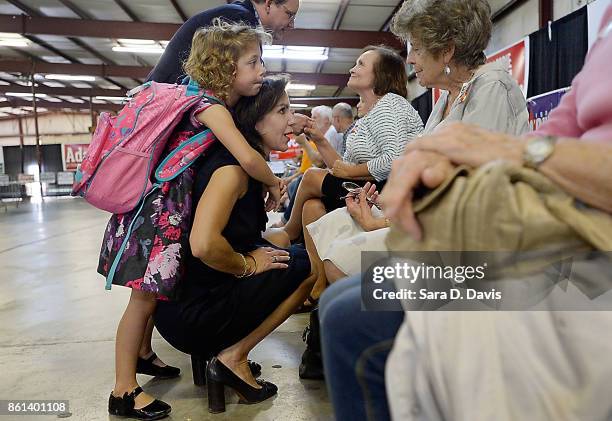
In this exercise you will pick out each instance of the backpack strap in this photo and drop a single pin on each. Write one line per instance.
(193, 89)
(113, 268)
(188, 151)
(183, 156)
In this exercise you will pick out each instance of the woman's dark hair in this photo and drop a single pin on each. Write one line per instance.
(389, 72)
(249, 110)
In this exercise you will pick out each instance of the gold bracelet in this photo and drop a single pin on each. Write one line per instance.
(254, 263)
(245, 267)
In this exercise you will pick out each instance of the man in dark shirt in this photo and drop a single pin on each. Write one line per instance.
(274, 15)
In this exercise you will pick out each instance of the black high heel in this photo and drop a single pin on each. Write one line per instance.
(218, 376)
(124, 407)
(147, 367)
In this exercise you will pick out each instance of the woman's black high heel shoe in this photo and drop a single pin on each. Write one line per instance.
(218, 376)
(124, 407)
(147, 367)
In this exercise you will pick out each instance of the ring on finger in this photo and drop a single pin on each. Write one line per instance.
(273, 259)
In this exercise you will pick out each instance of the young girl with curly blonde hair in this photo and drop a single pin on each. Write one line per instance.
(225, 61)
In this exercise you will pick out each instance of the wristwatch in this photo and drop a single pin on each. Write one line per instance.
(538, 150)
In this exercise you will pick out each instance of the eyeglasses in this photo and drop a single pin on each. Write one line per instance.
(290, 14)
(353, 190)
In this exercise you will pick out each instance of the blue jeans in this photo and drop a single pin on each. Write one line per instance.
(355, 346)
(292, 192)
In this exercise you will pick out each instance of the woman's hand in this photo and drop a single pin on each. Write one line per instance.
(312, 131)
(466, 144)
(342, 169)
(269, 258)
(300, 121)
(408, 172)
(360, 209)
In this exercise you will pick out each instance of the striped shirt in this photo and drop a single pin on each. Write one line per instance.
(381, 135)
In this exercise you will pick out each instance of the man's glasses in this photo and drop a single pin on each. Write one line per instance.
(290, 14)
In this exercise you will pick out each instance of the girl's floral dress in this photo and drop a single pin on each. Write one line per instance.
(153, 258)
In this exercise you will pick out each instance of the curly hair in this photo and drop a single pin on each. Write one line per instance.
(215, 50)
(250, 110)
(389, 71)
(438, 24)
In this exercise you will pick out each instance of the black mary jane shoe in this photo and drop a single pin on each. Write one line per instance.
(147, 367)
(218, 376)
(124, 407)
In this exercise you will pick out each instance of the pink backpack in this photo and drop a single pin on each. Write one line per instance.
(116, 172)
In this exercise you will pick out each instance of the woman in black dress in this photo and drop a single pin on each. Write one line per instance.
(239, 286)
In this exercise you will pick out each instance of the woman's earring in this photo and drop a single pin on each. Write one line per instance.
(447, 70)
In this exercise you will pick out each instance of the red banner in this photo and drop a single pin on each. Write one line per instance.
(517, 58)
(72, 155)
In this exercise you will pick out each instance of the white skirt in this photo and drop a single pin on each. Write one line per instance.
(339, 239)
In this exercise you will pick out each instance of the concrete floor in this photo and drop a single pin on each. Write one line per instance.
(57, 327)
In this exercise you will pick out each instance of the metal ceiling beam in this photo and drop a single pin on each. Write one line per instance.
(342, 8)
(17, 103)
(102, 70)
(35, 14)
(329, 101)
(546, 12)
(27, 9)
(127, 10)
(75, 9)
(69, 91)
(35, 25)
(385, 26)
(178, 9)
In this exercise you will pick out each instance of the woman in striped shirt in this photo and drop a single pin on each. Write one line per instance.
(379, 77)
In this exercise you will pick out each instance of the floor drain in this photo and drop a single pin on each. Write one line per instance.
(277, 366)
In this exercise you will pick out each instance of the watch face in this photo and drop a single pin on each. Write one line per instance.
(539, 148)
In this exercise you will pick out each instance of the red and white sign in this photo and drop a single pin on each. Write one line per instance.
(72, 155)
(517, 58)
(292, 151)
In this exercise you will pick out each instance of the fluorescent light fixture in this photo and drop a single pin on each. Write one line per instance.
(71, 77)
(138, 49)
(299, 105)
(300, 87)
(111, 98)
(136, 41)
(24, 94)
(10, 35)
(8, 39)
(295, 53)
(14, 43)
